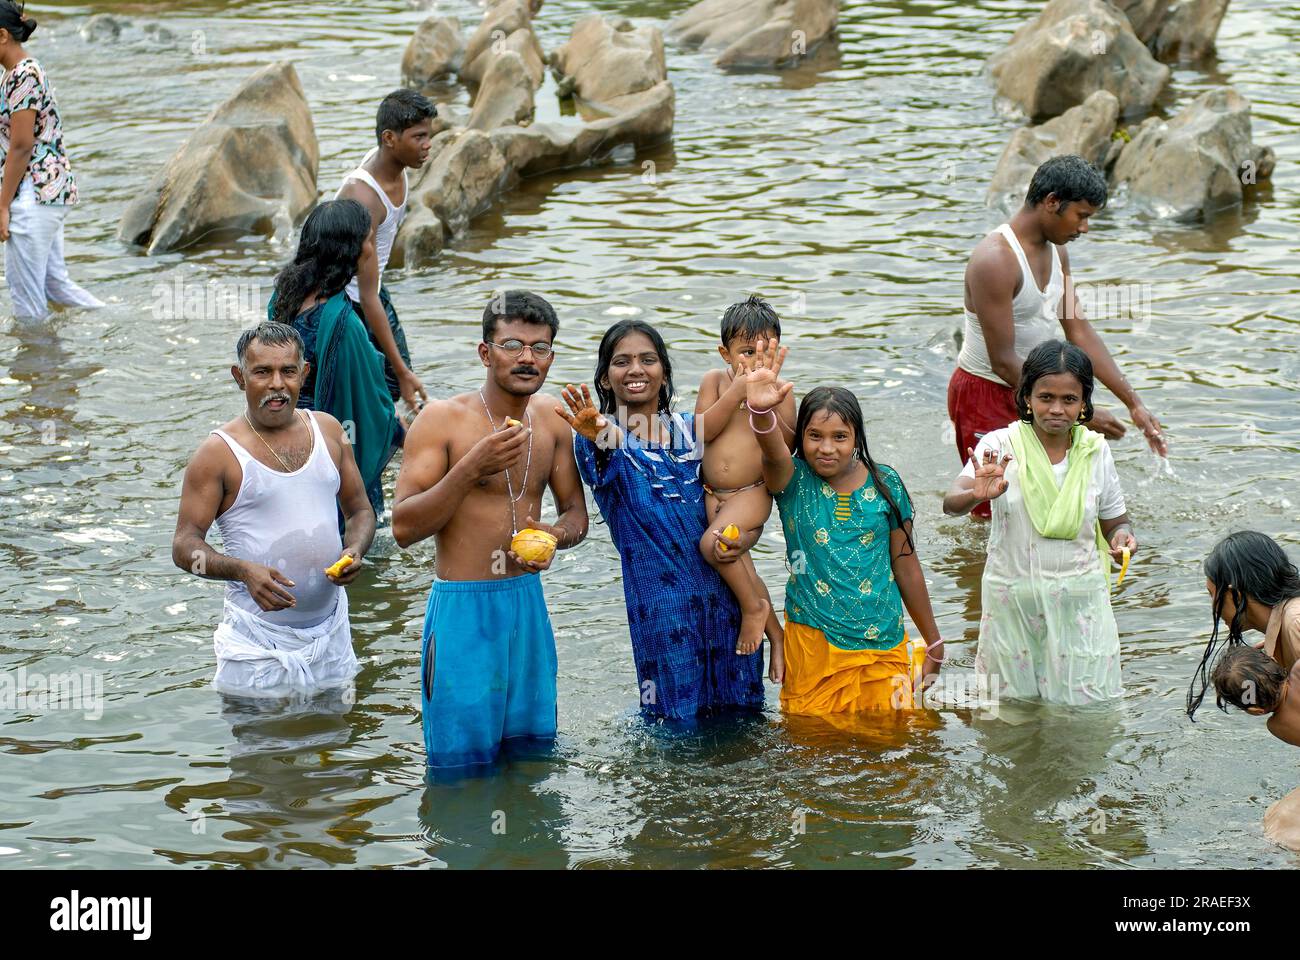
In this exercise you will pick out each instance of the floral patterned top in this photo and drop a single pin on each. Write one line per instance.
(837, 548)
(25, 88)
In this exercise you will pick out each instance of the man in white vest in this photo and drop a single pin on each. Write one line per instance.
(274, 480)
(404, 129)
(1019, 293)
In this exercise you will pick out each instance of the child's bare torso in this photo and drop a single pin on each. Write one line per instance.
(1285, 721)
(733, 459)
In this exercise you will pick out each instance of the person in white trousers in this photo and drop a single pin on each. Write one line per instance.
(37, 187)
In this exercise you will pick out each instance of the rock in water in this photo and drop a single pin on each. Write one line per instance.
(102, 27)
(1145, 16)
(495, 34)
(1189, 30)
(435, 51)
(506, 94)
(1198, 162)
(611, 64)
(1071, 50)
(1085, 130)
(757, 33)
(252, 161)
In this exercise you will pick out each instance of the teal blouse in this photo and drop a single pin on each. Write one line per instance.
(837, 549)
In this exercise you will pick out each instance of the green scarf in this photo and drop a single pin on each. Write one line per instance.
(350, 387)
(1057, 512)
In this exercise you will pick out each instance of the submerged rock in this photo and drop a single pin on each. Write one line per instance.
(434, 52)
(617, 74)
(1085, 130)
(1197, 163)
(251, 165)
(1071, 50)
(757, 33)
(102, 27)
(1190, 30)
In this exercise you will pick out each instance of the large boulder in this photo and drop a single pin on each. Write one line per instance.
(609, 63)
(757, 33)
(506, 94)
(496, 34)
(1071, 50)
(461, 181)
(435, 51)
(1189, 30)
(1085, 130)
(251, 165)
(1145, 16)
(1197, 163)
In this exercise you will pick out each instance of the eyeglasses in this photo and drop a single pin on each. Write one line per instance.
(516, 348)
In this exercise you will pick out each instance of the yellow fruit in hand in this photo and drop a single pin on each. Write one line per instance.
(535, 546)
(1124, 566)
(512, 422)
(731, 532)
(340, 565)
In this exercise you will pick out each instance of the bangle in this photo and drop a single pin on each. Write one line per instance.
(931, 646)
(753, 426)
(759, 412)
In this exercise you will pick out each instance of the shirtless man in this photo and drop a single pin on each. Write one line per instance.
(1018, 292)
(470, 479)
(273, 480)
(404, 128)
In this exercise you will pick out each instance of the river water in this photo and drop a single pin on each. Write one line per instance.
(849, 191)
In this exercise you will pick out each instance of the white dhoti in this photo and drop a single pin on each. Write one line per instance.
(260, 659)
(34, 267)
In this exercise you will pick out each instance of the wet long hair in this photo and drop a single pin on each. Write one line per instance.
(842, 403)
(1052, 357)
(605, 356)
(1245, 566)
(328, 248)
(13, 19)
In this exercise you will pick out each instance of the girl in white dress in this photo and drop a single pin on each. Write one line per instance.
(1059, 518)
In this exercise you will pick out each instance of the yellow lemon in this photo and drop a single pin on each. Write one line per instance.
(512, 422)
(535, 546)
(732, 532)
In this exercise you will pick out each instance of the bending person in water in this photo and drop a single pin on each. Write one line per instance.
(1019, 293)
(1251, 680)
(473, 474)
(404, 129)
(1047, 629)
(274, 480)
(1253, 585)
(343, 373)
(38, 187)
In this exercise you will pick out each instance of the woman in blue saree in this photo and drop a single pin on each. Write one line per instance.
(642, 463)
(346, 374)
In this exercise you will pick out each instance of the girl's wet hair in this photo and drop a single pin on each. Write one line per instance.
(326, 259)
(842, 403)
(1048, 358)
(13, 19)
(605, 356)
(1245, 566)
(1245, 677)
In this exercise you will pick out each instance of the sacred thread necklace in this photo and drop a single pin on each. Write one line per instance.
(510, 487)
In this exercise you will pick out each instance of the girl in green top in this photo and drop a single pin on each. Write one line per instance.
(853, 564)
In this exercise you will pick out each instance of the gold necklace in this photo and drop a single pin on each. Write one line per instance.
(287, 468)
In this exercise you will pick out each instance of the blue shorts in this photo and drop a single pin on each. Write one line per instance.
(487, 669)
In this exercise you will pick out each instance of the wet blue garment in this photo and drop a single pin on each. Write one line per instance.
(682, 618)
(487, 670)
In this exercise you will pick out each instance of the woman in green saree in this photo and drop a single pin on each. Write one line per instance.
(345, 376)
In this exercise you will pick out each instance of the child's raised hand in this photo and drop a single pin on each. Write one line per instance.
(990, 475)
(764, 389)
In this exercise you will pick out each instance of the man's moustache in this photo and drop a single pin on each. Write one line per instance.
(528, 370)
(274, 396)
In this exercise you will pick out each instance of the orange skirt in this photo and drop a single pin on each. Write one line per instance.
(821, 678)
